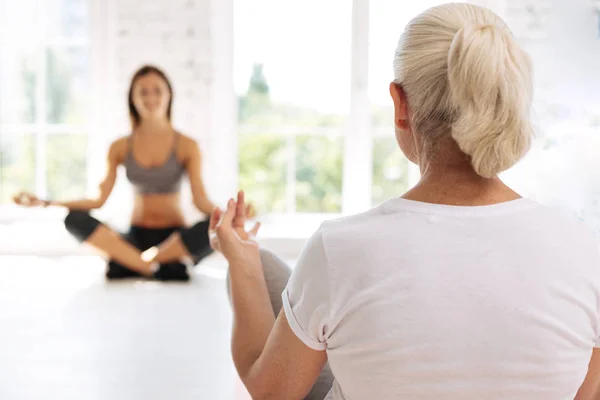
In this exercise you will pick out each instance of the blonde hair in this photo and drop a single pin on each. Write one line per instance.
(464, 75)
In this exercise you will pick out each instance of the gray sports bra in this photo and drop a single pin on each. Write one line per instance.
(155, 180)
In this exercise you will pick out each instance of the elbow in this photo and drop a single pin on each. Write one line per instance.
(97, 203)
(264, 389)
(255, 387)
(203, 207)
(261, 393)
(268, 396)
(198, 206)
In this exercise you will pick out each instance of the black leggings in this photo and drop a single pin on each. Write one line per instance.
(81, 225)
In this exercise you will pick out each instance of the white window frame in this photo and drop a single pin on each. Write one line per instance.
(358, 152)
(358, 143)
(99, 42)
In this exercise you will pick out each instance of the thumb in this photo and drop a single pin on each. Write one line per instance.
(214, 218)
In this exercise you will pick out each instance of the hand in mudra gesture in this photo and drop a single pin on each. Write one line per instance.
(228, 234)
(28, 200)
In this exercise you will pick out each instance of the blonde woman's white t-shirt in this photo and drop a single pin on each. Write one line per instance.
(423, 301)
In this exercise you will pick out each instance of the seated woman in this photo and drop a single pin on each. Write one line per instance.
(459, 289)
(155, 157)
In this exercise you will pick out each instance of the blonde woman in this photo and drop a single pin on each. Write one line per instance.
(459, 289)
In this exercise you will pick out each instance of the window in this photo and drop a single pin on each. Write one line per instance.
(45, 76)
(294, 83)
(292, 75)
(296, 151)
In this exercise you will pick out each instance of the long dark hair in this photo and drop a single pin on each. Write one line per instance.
(134, 116)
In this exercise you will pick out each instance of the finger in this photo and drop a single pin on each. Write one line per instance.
(254, 231)
(214, 218)
(227, 217)
(214, 242)
(241, 200)
(240, 211)
(224, 230)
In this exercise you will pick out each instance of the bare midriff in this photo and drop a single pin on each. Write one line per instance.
(157, 211)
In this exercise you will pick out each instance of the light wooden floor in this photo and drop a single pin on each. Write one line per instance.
(65, 334)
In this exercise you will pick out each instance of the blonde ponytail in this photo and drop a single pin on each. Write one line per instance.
(490, 89)
(464, 75)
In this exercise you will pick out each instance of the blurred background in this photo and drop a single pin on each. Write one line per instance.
(288, 100)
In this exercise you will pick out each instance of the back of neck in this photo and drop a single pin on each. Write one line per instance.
(460, 187)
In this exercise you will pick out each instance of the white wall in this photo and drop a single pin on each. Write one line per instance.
(192, 42)
(564, 42)
(175, 35)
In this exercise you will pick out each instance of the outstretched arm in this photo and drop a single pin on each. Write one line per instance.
(104, 189)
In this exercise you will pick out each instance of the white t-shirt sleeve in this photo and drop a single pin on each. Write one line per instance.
(306, 296)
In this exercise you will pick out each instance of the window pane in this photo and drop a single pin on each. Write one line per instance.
(66, 168)
(319, 174)
(67, 18)
(17, 165)
(304, 67)
(19, 31)
(18, 83)
(19, 22)
(390, 170)
(262, 171)
(295, 81)
(67, 86)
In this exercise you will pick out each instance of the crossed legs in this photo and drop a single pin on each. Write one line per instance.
(190, 244)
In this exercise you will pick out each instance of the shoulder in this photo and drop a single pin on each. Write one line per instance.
(118, 148)
(565, 225)
(188, 147)
(188, 143)
(342, 236)
(353, 222)
(559, 216)
(120, 143)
